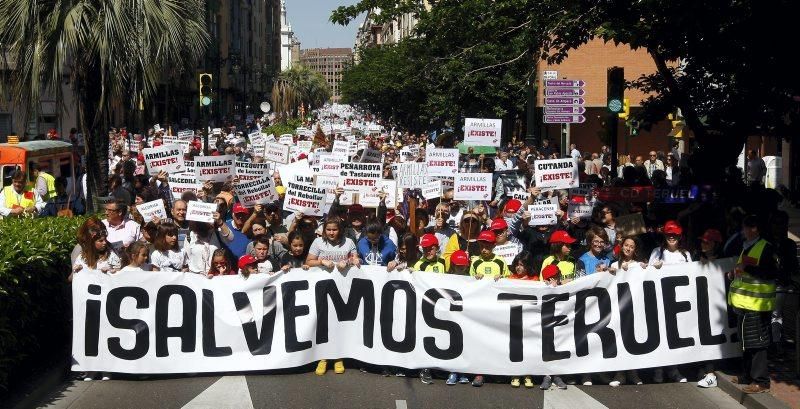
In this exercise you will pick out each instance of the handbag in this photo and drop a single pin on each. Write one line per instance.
(66, 212)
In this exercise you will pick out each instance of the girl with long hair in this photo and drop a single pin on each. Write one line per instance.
(95, 252)
(167, 255)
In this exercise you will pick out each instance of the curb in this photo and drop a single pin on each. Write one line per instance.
(750, 401)
(45, 385)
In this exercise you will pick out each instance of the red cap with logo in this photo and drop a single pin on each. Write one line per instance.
(561, 236)
(549, 272)
(246, 260)
(513, 206)
(459, 258)
(239, 208)
(672, 227)
(499, 224)
(487, 236)
(428, 240)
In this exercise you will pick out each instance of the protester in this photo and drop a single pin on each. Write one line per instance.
(220, 265)
(19, 200)
(167, 254)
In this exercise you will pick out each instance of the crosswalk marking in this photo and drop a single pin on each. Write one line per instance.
(230, 392)
(570, 398)
(400, 404)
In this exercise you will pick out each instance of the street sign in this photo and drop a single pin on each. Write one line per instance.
(564, 119)
(564, 92)
(566, 109)
(265, 107)
(549, 75)
(563, 83)
(564, 101)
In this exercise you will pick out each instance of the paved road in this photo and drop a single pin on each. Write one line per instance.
(360, 390)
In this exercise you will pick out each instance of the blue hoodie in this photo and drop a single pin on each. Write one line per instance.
(376, 255)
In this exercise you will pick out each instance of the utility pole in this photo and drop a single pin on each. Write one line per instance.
(615, 91)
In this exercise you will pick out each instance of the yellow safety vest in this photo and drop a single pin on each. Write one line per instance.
(750, 293)
(51, 185)
(12, 199)
(566, 267)
(436, 265)
(496, 267)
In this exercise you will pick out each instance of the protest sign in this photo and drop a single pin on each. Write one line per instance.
(168, 158)
(304, 146)
(371, 156)
(473, 186)
(556, 173)
(286, 139)
(360, 177)
(507, 251)
(432, 190)
(304, 198)
(287, 172)
(543, 214)
(442, 162)
(448, 182)
(330, 165)
(153, 208)
(580, 210)
(200, 212)
(630, 225)
(183, 182)
(216, 131)
(406, 155)
(598, 323)
(482, 132)
(215, 168)
(341, 149)
(246, 171)
(276, 152)
(362, 144)
(254, 192)
(410, 175)
(186, 135)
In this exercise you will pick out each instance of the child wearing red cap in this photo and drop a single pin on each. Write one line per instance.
(560, 257)
(430, 261)
(553, 277)
(488, 264)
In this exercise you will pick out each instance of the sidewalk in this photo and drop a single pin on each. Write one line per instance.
(784, 367)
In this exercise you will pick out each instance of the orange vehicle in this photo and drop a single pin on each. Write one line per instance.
(56, 156)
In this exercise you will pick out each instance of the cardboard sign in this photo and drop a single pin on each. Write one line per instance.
(216, 131)
(288, 171)
(448, 182)
(360, 177)
(371, 156)
(482, 132)
(341, 149)
(186, 134)
(442, 162)
(372, 199)
(168, 158)
(630, 225)
(406, 155)
(150, 209)
(556, 173)
(432, 190)
(362, 144)
(215, 168)
(276, 152)
(507, 251)
(200, 212)
(473, 186)
(254, 192)
(543, 214)
(183, 182)
(286, 139)
(551, 200)
(580, 210)
(410, 175)
(247, 171)
(307, 199)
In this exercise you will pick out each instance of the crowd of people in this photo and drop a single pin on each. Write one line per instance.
(491, 239)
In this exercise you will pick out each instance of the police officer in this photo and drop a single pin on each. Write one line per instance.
(752, 296)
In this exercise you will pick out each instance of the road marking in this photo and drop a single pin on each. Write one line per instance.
(793, 237)
(400, 404)
(570, 398)
(228, 392)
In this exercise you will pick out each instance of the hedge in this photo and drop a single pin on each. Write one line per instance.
(35, 298)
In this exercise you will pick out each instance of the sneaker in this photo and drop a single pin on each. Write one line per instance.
(364, 370)
(587, 383)
(559, 382)
(614, 384)
(322, 367)
(529, 382)
(676, 376)
(452, 379)
(338, 367)
(547, 382)
(106, 376)
(515, 382)
(87, 378)
(755, 388)
(425, 376)
(708, 381)
(477, 381)
(385, 372)
(463, 380)
(400, 374)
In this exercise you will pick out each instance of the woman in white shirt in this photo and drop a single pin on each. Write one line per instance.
(95, 252)
(167, 255)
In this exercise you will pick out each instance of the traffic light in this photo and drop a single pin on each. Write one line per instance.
(204, 87)
(633, 127)
(615, 88)
(677, 125)
(626, 109)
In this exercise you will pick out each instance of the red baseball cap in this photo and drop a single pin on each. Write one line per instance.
(561, 236)
(549, 272)
(712, 235)
(513, 206)
(239, 208)
(246, 260)
(499, 224)
(487, 236)
(428, 240)
(140, 157)
(459, 258)
(672, 227)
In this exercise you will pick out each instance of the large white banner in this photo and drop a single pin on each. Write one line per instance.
(140, 322)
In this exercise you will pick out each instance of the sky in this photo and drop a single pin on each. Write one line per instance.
(310, 22)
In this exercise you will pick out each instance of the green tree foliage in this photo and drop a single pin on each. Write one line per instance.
(103, 47)
(299, 85)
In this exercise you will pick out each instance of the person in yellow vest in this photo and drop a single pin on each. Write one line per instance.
(488, 264)
(45, 182)
(430, 262)
(752, 296)
(18, 199)
(560, 242)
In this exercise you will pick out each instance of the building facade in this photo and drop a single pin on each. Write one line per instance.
(331, 63)
(288, 41)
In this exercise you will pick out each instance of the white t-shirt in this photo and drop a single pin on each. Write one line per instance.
(670, 257)
(327, 251)
(199, 254)
(112, 262)
(169, 260)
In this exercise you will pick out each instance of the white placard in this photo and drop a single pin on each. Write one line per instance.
(276, 152)
(556, 173)
(373, 199)
(150, 209)
(304, 198)
(362, 144)
(253, 192)
(341, 149)
(330, 165)
(286, 139)
(371, 156)
(157, 127)
(216, 131)
(200, 212)
(360, 177)
(411, 175)
(482, 131)
(580, 210)
(168, 158)
(432, 190)
(246, 171)
(183, 182)
(215, 168)
(186, 134)
(442, 162)
(304, 146)
(473, 186)
(543, 214)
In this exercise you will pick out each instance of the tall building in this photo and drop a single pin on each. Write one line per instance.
(371, 33)
(330, 62)
(289, 43)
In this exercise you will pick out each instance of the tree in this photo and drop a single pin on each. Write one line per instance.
(103, 47)
(299, 85)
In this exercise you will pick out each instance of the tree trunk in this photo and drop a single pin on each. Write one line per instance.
(88, 95)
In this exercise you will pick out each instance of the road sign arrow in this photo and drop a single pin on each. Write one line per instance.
(563, 101)
(564, 119)
(563, 83)
(564, 92)
(574, 109)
